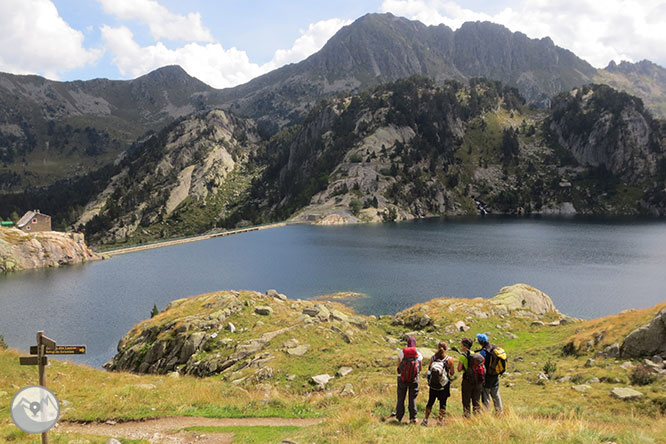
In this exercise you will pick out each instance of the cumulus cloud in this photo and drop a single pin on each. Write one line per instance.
(596, 31)
(210, 63)
(163, 24)
(36, 40)
(308, 43)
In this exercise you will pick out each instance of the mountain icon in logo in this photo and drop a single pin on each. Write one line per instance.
(35, 409)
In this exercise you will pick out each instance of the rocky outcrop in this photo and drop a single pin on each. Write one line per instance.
(192, 336)
(520, 297)
(22, 251)
(648, 340)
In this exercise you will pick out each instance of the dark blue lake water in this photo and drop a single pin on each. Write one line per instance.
(590, 268)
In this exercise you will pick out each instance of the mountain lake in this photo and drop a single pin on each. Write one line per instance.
(589, 267)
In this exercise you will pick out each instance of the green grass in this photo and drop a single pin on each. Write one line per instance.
(251, 434)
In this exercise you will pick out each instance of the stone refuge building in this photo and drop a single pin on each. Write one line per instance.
(34, 221)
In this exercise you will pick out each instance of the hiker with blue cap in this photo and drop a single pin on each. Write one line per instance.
(495, 363)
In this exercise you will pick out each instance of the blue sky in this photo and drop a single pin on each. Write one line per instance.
(225, 43)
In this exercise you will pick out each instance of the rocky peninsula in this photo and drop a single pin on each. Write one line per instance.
(22, 251)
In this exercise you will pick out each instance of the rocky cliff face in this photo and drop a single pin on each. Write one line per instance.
(179, 181)
(382, 47)
(22, 251)
(605, 128)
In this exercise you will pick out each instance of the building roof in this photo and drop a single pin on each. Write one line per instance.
(27, 217)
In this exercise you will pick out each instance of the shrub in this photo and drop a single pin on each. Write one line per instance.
(549, 368)
(642, 375)
(3, 344)
(355, 206)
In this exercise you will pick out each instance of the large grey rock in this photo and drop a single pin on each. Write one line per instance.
(625, 393)
(542, 379)
(112, 441)
(460, 326)
(337, 315)
(582, 388)
(322, 380)
(524, 297)
(263, 310)
(647, 340)
(347, 390)
(299, 350)
(344, 371)
(317, 311)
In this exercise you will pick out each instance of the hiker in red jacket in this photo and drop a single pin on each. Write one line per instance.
(409, 366)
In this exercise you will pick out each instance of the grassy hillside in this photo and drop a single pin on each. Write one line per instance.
(548, 413)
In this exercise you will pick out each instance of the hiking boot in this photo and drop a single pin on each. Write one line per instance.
(412, 421)
(424, 423)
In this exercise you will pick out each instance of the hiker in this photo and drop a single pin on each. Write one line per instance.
(409, 366)
(471, 364)
(440, 372)
(491, 386)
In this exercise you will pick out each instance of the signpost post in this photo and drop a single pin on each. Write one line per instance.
(47, 346)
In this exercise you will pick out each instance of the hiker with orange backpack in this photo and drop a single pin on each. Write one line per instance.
(471, 364)
(440, 372)
(409, 366)
(495, 363)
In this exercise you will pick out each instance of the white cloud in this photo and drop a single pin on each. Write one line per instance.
(163, 24)
(596, 31)
(36, 40)
(308, 43)
(210, 63)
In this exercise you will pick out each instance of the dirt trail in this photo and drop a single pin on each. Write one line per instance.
(166, 430)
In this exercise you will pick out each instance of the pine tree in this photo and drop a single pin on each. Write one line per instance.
(154, 311)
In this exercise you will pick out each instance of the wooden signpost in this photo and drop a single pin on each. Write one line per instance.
(47, 346)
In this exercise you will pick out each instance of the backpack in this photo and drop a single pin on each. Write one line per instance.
(478, 370)
(439, 375)
(496, 360)
(409, 366)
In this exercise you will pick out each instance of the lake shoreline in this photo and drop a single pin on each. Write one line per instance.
(169, 243)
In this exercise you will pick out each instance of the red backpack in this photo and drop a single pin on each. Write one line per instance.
(478, 369)
(409, 366)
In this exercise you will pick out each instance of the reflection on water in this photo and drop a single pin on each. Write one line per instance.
(589, 267)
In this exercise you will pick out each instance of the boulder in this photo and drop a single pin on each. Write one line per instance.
(542, 378)
(589, 363)
(581, 388)
(625, 393)
(263, 310)
(647, 340)
(231, 327)
(299, 350)
(594, 380)
(112, 441)
(317, 311)
(291, 343)
(461, 326)
(347, 390)
(524, 297)
(564, 379)
(628, 365)
(344, 371)
(337, 315)
(321, 380)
